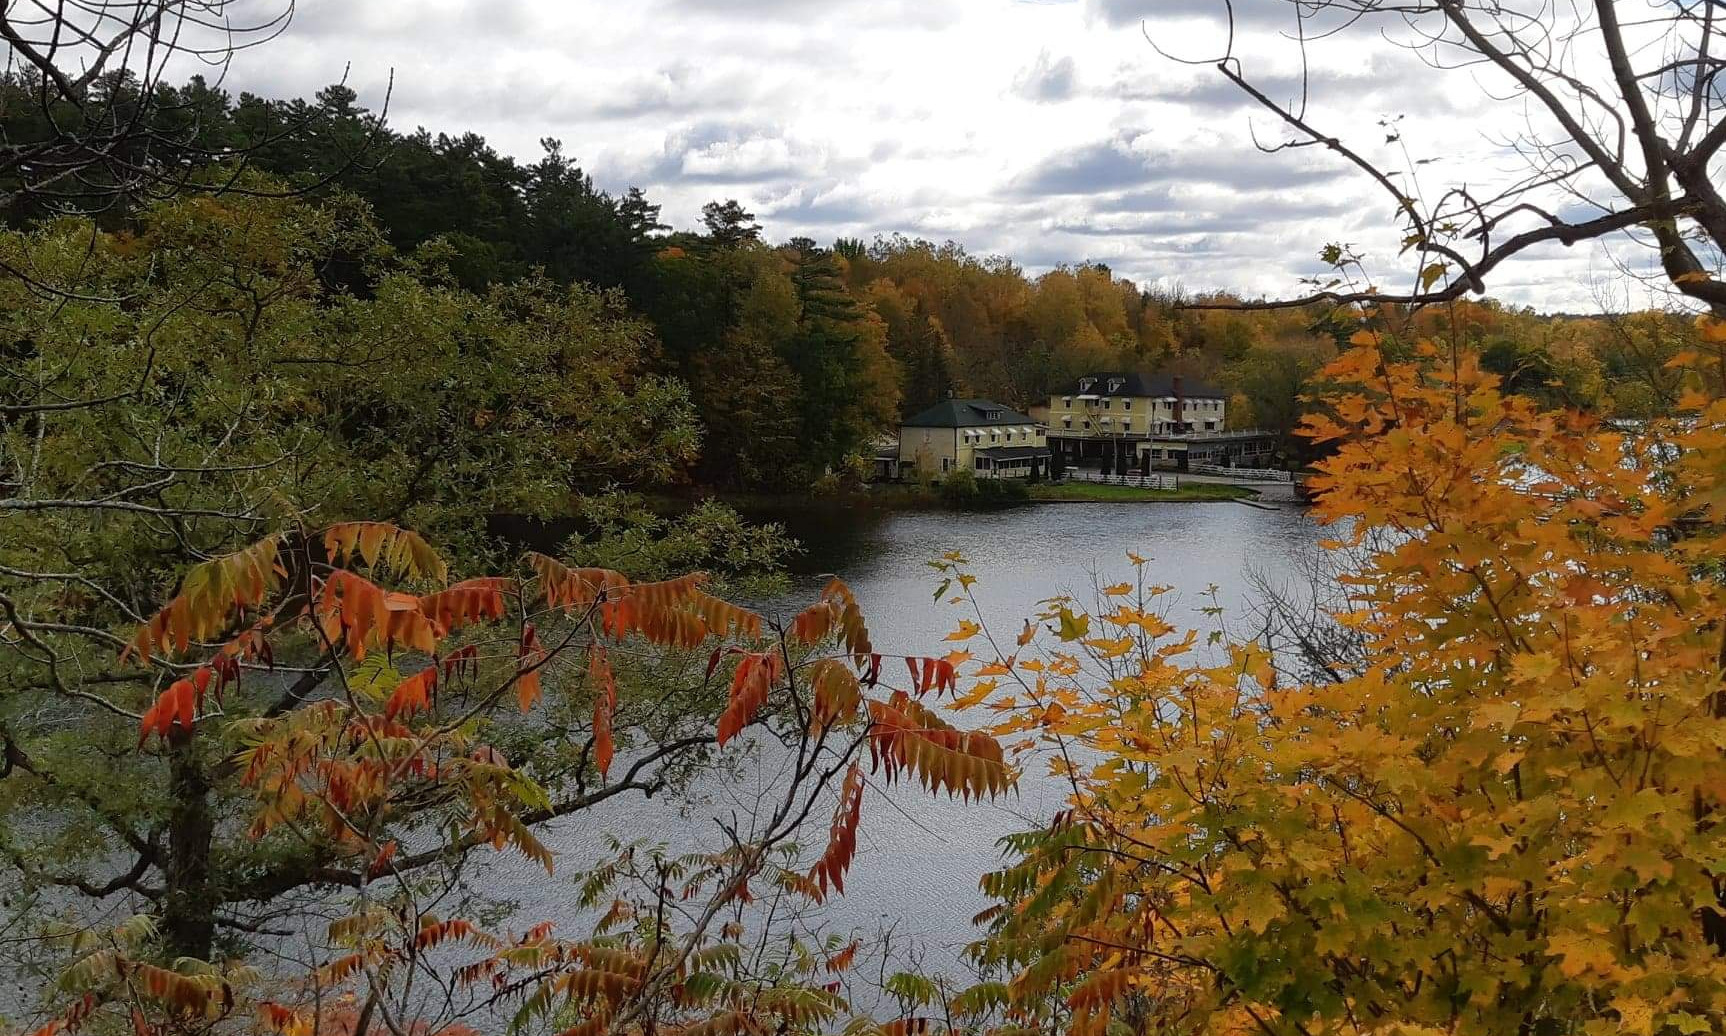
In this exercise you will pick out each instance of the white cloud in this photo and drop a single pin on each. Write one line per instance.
(1047, 131)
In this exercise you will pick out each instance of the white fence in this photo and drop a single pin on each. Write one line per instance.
(1127, 479)
(1244, 474)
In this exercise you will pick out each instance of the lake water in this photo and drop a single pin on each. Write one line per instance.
(919, 857)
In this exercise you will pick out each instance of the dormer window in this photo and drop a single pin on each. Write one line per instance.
(1085, 384)
(1116, 383)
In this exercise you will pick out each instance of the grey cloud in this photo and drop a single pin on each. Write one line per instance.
(1156, 199)
(676, 89)
(921, 14)
(1111, 166)
(827, 207)
(1382, 82)
(1249, 214)
(735, 153)
(1097, 169)
(352, 22)
(1046, 80)
(1132, 12)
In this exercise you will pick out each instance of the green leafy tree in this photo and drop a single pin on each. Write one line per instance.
(207, 386)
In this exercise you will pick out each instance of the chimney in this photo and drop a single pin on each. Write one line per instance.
(1179, 401)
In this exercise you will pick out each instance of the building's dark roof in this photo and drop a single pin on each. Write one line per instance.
(1132, 384)
(1013, 452)
(966, 413)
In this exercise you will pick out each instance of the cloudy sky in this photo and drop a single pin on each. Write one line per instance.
(1050, 131)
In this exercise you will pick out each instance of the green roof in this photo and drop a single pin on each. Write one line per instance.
(966, 413)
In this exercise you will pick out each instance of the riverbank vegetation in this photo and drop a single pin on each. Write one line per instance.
(275, 687)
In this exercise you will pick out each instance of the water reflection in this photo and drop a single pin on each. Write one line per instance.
(919, 857)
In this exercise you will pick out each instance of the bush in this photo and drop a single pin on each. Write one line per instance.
(959, 487)
(1003, 491)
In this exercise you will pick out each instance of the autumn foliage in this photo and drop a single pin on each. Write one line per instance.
(417, 661)
(1503, 821)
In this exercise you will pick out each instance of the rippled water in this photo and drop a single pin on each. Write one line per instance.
(919, 857)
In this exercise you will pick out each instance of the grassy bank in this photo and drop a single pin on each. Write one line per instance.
(1092, 491)
(912, 497)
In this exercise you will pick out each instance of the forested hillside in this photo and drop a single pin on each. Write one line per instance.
(797, 354)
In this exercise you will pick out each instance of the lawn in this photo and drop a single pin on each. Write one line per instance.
(1096, 491)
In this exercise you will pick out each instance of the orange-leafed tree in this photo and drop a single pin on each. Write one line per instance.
(378, 781)
(1498, 812)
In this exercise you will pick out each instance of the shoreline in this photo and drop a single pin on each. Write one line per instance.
(903, 497)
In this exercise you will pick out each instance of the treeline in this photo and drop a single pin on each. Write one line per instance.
(797, 355)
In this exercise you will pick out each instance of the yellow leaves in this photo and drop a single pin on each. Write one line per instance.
(1118, 590)
(210, 596)
(1509, 741)
(1535, 668)
(1110, 647)
(1635, 1015)
(1258, 906)
(838, 696)
(1431, 274)
(978, 694)
(967, 629)
(384, 547)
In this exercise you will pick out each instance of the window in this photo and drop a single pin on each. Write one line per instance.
(945, 463)
(993, 437)
(1116, 383)
(1066, 422)
(1066, 402)
(1106, 403)
(1126, 404)
(1126, 424)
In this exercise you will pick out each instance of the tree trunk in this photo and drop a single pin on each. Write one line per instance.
(188, 909)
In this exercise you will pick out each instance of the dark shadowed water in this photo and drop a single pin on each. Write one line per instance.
(919, 858)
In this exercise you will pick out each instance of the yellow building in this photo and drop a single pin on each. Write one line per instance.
(1134, 407)
(1121, 421)
(979, 435)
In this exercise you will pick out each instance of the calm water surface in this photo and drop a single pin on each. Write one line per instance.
(919, 857)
